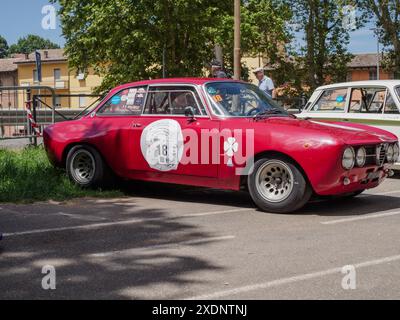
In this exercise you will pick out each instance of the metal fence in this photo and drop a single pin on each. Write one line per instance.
(25, 111)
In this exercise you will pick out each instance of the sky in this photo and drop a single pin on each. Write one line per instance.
(21, 17)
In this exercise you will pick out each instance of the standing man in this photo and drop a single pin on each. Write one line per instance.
(216, 70)
(265, 83)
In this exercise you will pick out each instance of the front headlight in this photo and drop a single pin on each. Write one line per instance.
(361, 157)
(349, 158)
(390, 153)
(396, 152)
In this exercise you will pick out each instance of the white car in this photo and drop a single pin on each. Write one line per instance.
(375, 103)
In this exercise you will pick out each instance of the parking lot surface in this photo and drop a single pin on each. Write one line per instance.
(170, 242)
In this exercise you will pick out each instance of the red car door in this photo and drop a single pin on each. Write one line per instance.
(166, 143)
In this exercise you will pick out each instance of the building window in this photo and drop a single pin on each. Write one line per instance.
(35, 76)
(373, 75)
(57, 74)
(58, 102)
(82, 102)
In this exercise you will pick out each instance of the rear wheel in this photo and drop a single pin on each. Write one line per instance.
(277, 185)
(86, 167)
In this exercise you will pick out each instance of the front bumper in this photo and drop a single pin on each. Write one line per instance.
(357, 179)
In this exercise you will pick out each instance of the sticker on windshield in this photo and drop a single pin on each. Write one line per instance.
(116, 100)
(218, 98)
(162, 145)
(211, 90)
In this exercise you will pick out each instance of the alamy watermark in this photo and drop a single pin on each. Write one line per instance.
(349, 280)
(49, 20)
(49, 280)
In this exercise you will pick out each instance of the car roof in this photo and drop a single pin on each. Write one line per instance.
(385, 83)
(190, 81)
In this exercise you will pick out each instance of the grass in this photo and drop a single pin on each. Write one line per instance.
(27, 176)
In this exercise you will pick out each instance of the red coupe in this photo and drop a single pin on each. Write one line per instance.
(219, 134)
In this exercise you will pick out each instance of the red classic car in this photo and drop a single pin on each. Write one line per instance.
(220, 134)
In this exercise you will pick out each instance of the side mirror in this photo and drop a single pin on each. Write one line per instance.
(189, 112)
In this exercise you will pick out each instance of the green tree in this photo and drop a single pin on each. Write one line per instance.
(386, 13)
(124, 40)
(263, 31)
(3, 48)
(323, 57)
(31, 43)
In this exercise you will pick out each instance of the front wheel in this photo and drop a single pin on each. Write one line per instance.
(86, 167)
(277, 185)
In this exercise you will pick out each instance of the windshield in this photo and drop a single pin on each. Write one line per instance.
(236, 99)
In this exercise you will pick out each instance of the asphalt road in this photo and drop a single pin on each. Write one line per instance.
(168, 242)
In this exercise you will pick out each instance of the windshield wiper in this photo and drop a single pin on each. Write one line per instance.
(267, 113)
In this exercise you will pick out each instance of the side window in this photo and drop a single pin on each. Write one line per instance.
(126, 102)
(167, 100)
(332, 100)
(367, 100)
(390, 106)
(157, 103)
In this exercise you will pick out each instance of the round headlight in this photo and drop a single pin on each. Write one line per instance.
(349, 158)
(361, 157)
(396, 152)
(390, 153)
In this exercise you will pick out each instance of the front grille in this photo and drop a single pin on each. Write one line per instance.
(371, 155)
(381, 154)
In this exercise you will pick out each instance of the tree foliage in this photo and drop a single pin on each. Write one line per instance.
(263, 30)
(125, 39)
(386, 13)
(3, 48)
(31, 43)
(323, 57)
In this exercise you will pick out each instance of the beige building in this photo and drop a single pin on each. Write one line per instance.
(71, 86)
(8, 78)
(364, 67)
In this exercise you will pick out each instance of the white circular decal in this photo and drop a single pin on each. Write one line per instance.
(162, 145)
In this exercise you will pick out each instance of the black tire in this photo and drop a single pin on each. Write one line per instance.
(79, 159)
(291, 194)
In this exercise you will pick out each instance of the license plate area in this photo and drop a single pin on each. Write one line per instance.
(374, 175)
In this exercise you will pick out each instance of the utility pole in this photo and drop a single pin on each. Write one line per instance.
(378, 73)
(237, 59)
(164, 71)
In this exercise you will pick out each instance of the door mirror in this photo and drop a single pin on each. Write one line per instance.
(189, 112)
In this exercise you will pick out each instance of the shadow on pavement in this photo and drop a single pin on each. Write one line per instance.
(111, 262)
(355, 206)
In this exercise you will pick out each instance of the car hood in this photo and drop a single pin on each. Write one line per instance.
(348, 133)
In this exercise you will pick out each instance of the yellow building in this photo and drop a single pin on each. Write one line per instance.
(72, 88)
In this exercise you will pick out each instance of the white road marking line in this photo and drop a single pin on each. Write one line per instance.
(124, 222)
(366, 217)
(283, 281)
(83, 217)
(128, 252)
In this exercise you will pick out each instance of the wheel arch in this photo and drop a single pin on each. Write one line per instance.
(274, 153)
(69, 147)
